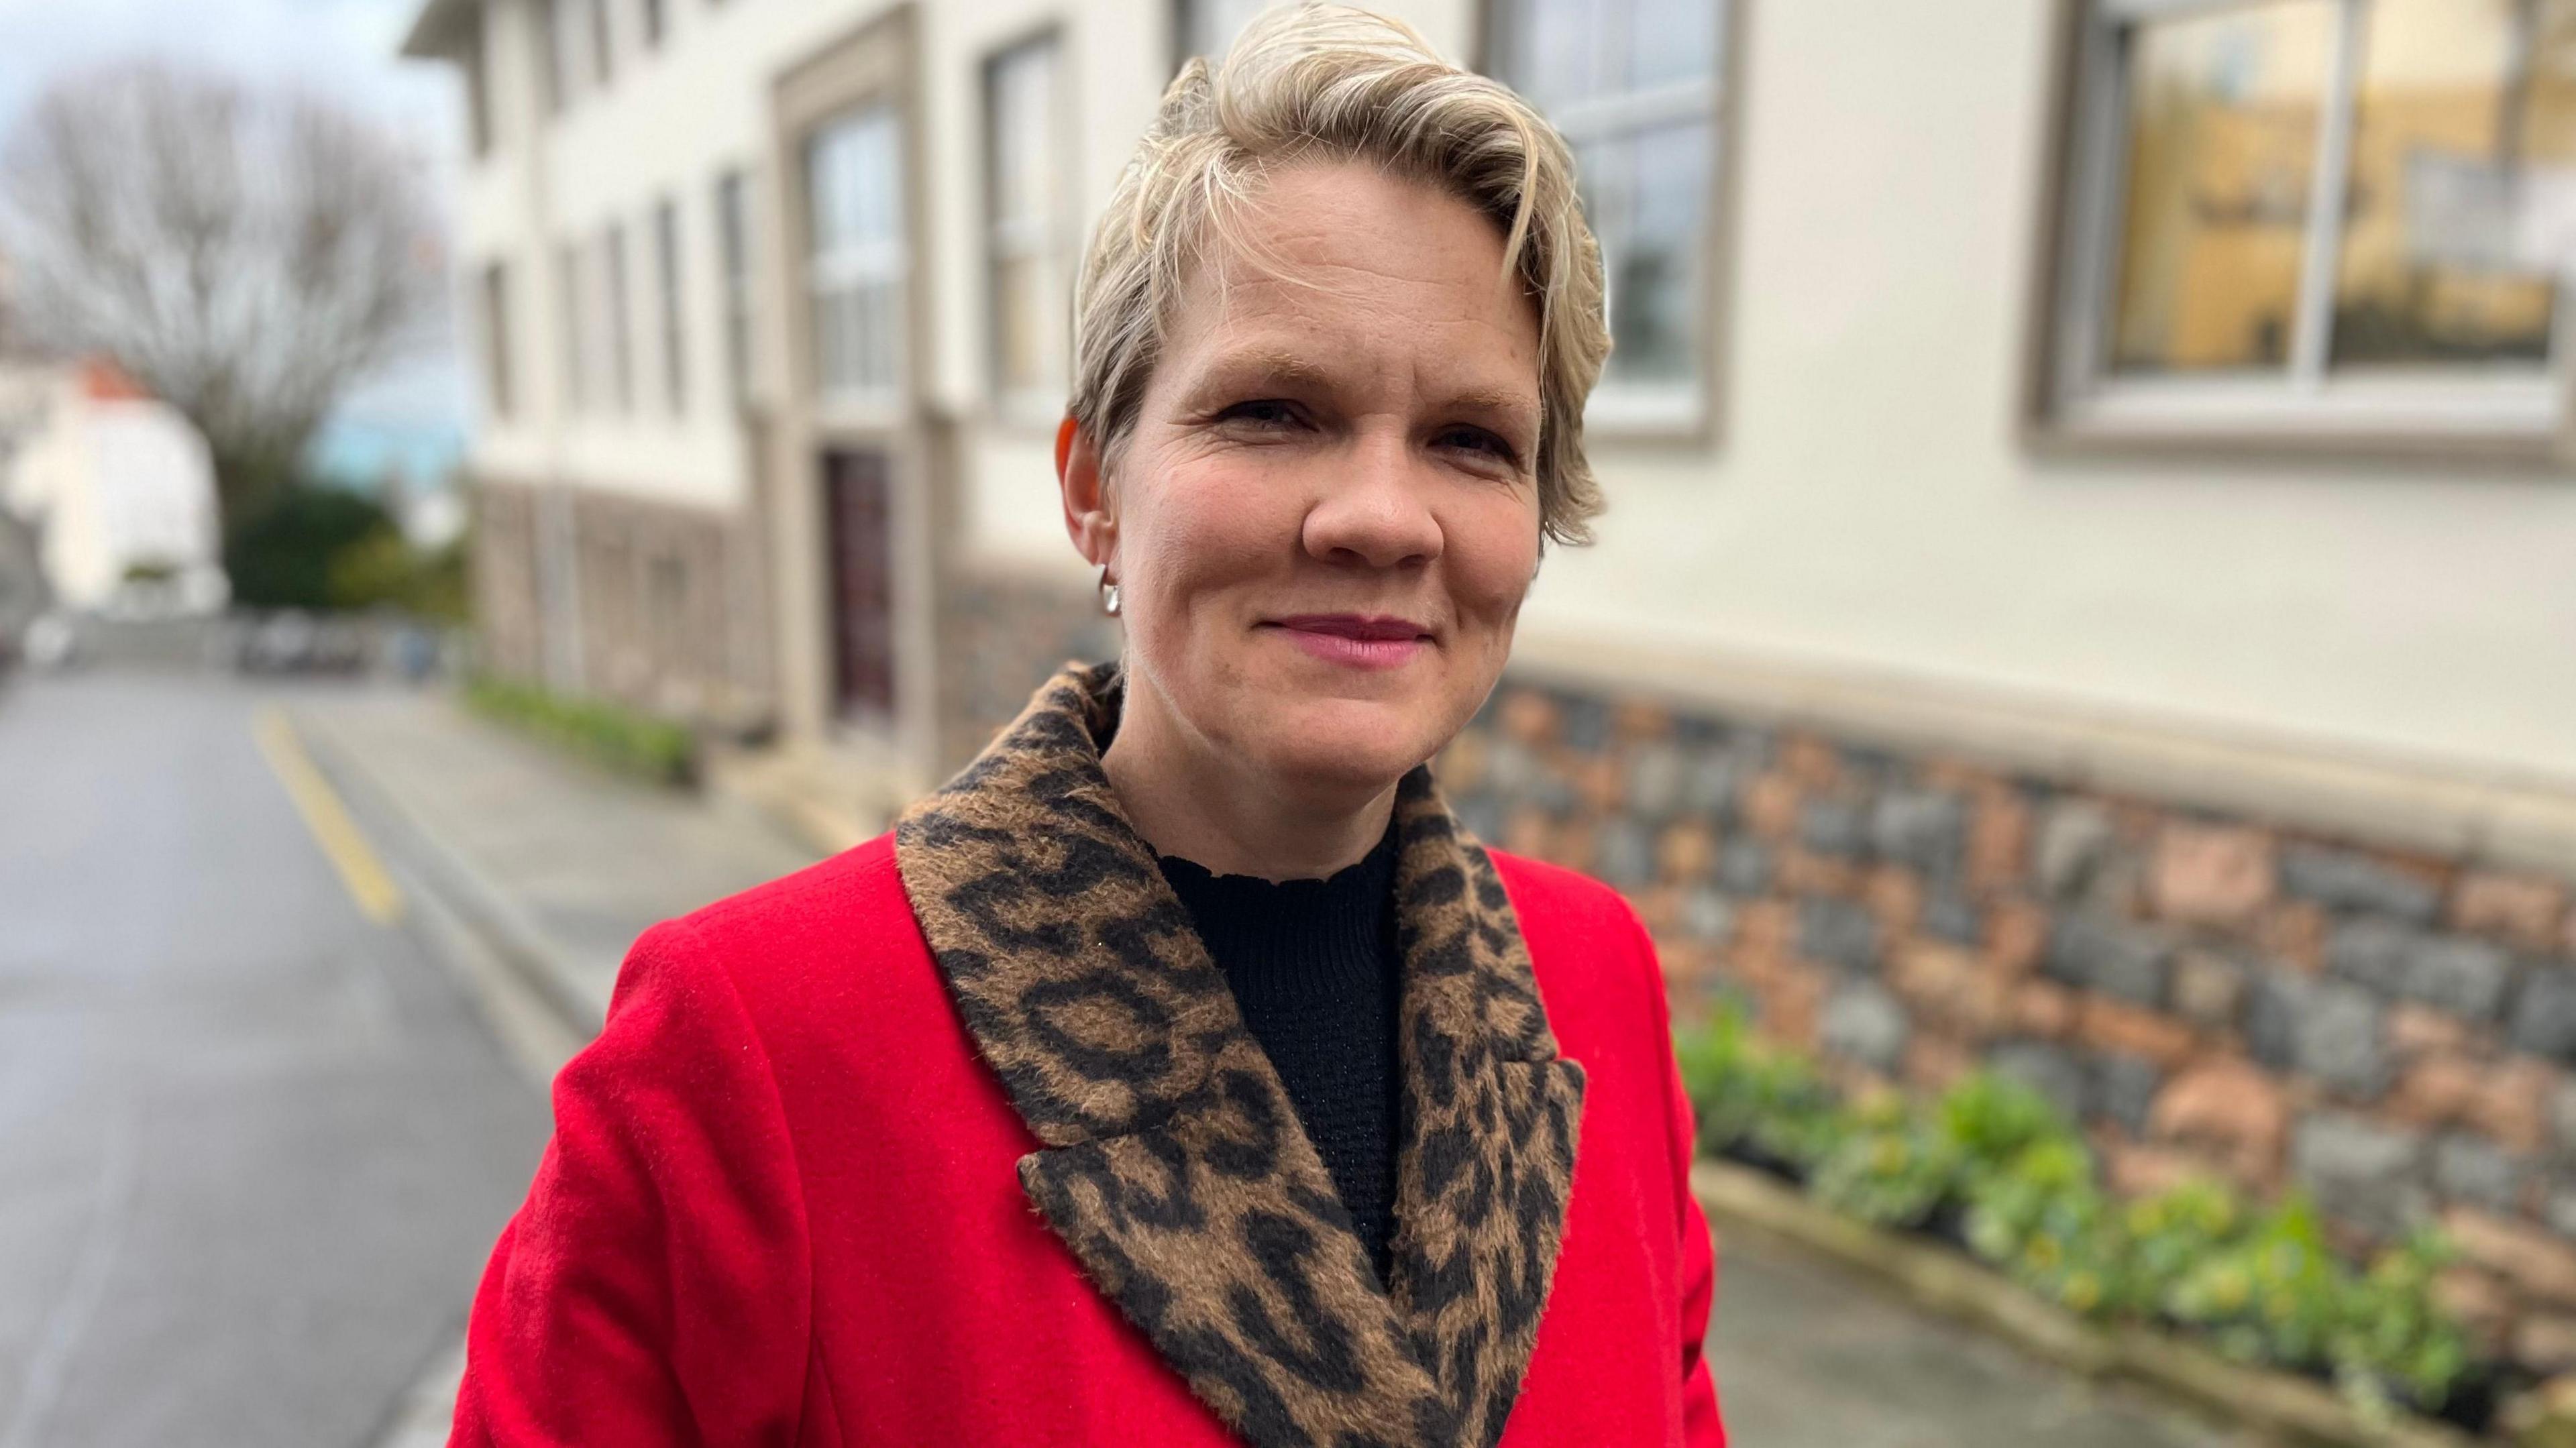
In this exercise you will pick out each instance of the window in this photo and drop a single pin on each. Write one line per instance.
(573, 319)
(733, 238)
(1026, 175)
(1208, 27)
(621, 333)
(654, 20)
(2316, 217)
(855, 257)
(1633, 85)
(557, 34)
(603, 47)
(495, 297)
(666, 270)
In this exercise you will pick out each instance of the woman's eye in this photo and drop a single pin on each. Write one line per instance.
(1261, 412)
(1476, 439)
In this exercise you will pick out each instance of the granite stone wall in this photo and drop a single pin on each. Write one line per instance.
(2205, 993)
(1000, 637)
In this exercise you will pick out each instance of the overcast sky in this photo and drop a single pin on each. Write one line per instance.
(343, 48)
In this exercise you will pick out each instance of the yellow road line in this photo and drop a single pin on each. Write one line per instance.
(379, 899)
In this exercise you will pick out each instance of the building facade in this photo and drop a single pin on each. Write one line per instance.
(2086, 588)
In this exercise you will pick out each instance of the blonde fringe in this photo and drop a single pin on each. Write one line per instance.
(1328, 81)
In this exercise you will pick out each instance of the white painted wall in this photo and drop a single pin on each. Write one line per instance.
(1872, 508)
(111, 482)
(1868, 509)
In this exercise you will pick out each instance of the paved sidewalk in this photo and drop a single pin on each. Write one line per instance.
(565, 864)
(1807, 1355)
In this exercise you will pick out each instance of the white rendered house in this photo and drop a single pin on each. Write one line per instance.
(113, 481)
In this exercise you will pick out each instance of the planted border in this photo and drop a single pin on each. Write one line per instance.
(1990, 1170)
(609, 735)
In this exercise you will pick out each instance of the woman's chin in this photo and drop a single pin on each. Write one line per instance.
(1361, 745)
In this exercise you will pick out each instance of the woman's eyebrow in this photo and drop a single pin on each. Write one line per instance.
(1507, 401)
(1264, 365)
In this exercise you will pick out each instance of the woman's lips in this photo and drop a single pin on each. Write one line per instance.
(1358, 640)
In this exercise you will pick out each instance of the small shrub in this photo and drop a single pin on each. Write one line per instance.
(2171, 1233)
(1992, 1120)
(1754, 1098)
(1893, 1168)
(607, 734)
(2395, 1339)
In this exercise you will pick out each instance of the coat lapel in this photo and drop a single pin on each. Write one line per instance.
(1173, 1164)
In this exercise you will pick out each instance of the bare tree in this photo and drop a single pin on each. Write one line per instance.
(245, 255)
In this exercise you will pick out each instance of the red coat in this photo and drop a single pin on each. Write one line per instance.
(790, 1194)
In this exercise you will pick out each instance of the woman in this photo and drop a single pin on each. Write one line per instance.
(1180, 1073)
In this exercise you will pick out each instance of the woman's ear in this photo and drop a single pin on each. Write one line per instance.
(1086, 494)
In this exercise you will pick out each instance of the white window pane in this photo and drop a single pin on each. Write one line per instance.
(2220, 147)
(1024, 122)
(855, 188)
(2463, 122)
(1648, 205)
(1552, 48)
(1670, 41)
(1209, 27)
(1633, 82)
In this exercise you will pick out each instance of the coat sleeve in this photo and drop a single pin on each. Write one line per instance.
(654, 1287)
(1702, 1426)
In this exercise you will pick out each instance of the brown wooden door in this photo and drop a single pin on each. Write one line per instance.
(855, 489)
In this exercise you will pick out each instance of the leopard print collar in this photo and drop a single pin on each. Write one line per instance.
(1173, 1165)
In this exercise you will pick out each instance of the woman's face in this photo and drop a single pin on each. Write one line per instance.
(1327, 515)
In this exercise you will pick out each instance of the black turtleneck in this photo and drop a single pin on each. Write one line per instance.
(1314, 970)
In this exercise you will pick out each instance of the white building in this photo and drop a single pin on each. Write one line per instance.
(113, 483)
(2091, 565)
(1983, 372)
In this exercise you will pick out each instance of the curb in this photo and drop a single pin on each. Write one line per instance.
(2283, 1408)
(460, 884)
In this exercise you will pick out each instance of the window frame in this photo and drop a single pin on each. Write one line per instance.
(1055, 240)
(557, 78)
(603, 43)
(616, 282)
(492, 292)
(572, 319)
(1686, 414)
(475, 59)
(2075, 398)
(860, 266)
(671, 304)
(732, 202)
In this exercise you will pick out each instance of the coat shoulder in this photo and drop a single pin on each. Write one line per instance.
(1594, 959)
(1563, 898)
(839, 929)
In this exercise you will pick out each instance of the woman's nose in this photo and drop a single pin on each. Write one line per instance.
(1372, 512)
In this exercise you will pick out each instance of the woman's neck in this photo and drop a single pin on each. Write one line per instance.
(1219, 812)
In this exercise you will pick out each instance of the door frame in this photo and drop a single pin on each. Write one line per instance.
(874, 62)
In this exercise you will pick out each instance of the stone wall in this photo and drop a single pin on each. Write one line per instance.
(671, 602)
(1002, 635)
(2205, 993)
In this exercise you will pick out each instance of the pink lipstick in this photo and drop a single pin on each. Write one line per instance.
(1364, 641)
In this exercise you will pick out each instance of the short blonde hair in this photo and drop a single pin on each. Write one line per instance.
(1327, 82)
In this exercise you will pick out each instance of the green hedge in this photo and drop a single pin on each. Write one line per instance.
(1994, 1166)
(607, 734)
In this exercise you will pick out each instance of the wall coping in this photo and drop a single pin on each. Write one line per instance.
(2488, 816)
